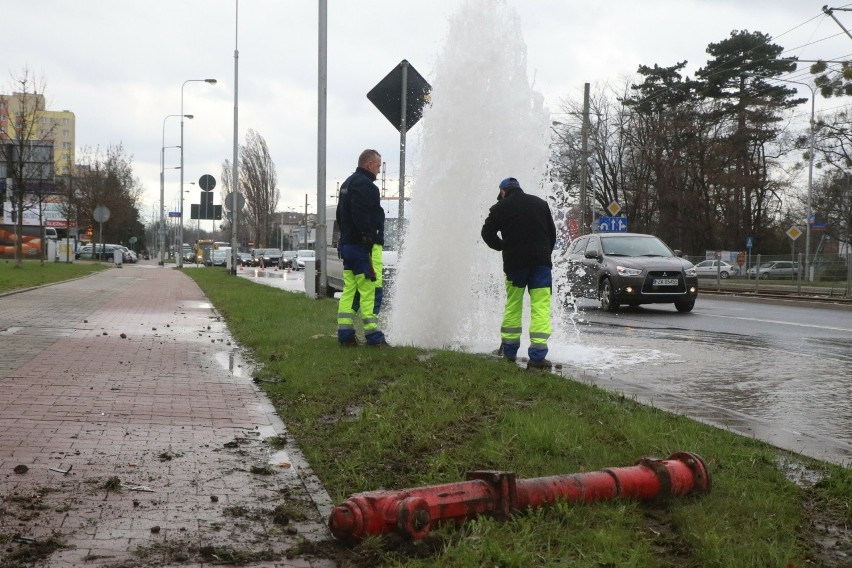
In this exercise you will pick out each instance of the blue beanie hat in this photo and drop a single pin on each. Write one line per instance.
(510, 183)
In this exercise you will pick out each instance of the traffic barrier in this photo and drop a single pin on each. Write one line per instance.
(413, 512)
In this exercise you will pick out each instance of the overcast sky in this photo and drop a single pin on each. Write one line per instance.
(119, 66)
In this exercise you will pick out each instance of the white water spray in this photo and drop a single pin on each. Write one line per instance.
(485, 123)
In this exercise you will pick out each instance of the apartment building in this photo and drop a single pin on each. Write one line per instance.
(27, 111)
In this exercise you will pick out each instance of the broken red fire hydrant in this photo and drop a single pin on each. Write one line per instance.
(413, 512)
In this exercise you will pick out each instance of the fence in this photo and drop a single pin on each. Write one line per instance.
(828, 275)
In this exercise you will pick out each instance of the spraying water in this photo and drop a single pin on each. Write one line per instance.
(485, 123)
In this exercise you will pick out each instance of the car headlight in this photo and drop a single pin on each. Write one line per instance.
(690, 271)
(625, 271)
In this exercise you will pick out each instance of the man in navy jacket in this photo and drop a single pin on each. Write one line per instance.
(526, 238)
(361, 220)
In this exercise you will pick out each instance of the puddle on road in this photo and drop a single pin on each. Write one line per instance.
(39, 331)
(233, 362)
(199, 305)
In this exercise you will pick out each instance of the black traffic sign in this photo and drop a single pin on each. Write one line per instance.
(207, 182)
(387, 95)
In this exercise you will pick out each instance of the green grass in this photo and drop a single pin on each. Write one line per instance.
(33, 273)
(404, 417)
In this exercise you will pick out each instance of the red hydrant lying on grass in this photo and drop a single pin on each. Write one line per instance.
(414, 511)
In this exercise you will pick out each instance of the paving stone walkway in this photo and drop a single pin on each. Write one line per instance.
(131, 434)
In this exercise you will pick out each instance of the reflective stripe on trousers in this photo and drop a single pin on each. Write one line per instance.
(361, 284)
(538, 281)
(376, 262)
(356, 281)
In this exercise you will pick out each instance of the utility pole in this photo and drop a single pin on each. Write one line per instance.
(584, 160)
(830, 12)
(306, 221)
(322, 103)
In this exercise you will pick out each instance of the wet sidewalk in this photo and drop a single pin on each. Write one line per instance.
(131, 434)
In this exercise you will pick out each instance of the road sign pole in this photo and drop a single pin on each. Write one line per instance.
(402, 128)
(398, 82)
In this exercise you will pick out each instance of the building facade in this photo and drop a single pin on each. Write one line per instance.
(24, 115)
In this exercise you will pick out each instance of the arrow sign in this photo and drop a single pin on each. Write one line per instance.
(612, 224)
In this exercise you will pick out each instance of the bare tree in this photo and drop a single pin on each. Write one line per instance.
(228, 219)
(259, 186)
(105, 177)
(26, 153)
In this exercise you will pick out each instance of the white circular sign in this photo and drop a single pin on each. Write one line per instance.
(101, 214)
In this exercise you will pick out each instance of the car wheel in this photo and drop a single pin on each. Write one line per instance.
(607, 296)
(764, 276)
(685, 306)
(723, 275)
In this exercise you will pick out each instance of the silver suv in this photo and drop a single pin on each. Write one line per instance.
(776, 269)
(632, 269)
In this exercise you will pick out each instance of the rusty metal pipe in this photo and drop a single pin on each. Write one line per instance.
(414, 511)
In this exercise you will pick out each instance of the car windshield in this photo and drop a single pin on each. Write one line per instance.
(306, 253)
(635, 246)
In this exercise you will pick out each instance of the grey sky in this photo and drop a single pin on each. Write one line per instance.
(119, 66)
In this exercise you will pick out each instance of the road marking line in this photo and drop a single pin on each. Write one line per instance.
(782, 322)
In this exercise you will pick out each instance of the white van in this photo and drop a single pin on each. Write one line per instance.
(393, 237)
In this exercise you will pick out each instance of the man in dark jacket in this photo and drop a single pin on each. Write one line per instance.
(528, 236)
(362, 224)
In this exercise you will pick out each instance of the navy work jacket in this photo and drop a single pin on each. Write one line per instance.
(526, 227)
(360, 216)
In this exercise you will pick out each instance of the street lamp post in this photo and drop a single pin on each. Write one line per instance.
(180, 229)
(810, 179)
(162, 230)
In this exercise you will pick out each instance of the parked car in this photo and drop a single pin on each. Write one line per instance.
(712, 268)
(776, 269)
(267, 257)
(632, 269)
(83, 252)
(129, 256)
(102, 251)
(302, 256)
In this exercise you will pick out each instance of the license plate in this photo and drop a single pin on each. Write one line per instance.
(665, 282)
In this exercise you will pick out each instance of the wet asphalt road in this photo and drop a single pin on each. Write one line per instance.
(780, 372)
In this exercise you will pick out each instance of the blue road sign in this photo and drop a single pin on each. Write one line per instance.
(612, 224)
(749, 242)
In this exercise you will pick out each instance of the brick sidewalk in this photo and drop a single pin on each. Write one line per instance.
(129, 379)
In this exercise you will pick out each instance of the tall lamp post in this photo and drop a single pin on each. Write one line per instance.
(180, 229)
(810, 179)
(162, 230)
